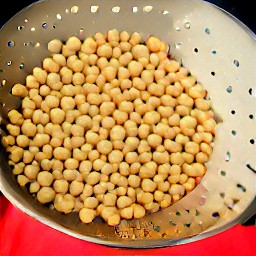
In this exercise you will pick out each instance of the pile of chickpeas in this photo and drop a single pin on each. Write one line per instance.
(110, 126)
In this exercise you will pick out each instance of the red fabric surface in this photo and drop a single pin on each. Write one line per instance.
(22, 235)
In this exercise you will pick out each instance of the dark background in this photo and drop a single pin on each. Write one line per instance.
(242, 9)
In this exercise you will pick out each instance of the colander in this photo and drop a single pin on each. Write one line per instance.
(216, 47)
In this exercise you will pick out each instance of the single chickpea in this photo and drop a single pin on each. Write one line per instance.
(151, 117)
(115, 156)
(89, 46)
(76, 188)
(148, 185)
(126, 213)
(206, 148)
(64, 203)
(138, 211)
(192, 147)
(117, 133)
(135, 38)
(57, 115)
(135, 68)
(87, 215)
(107, 108)
(73, 43)
(50, 65)
(45, 178)
(34, 187)
(104, 147)
(61, 153)
(55, 46)
(176, 158)
(154, 140)
(140, 51)
(45, 195)
(29, 129)
(19, 90)
(202, 157)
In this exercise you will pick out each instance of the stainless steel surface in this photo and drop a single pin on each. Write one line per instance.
(214, 46)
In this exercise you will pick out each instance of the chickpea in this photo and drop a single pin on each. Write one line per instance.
(151, 117)
(87, 215)
(45, 195)
(138, 211)
(45, 178)
(55, 46)
(61, 186)
(76, 188)
(61, 153)
(115, 156)
(135, 68)
(148, 185)
(154, 140)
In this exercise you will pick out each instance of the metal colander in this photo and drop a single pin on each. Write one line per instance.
(216, 47)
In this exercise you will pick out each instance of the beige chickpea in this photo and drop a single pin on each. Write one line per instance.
(182, 139)
(87, 215)
(34, 187)
(115, 156)
(135, 68)
(104, 147)
(55, 46)
(148, 185)
(192, 147)
(89, 46)
(73, 43)
(126, 213)
(206, 148)
(18, 168)
(57, 115)
(50, 65)
(151, 117)
(167, 199)
(45, 178)
(19, 90)
(154, 44)
(31, 171)
(29, 129)
(45, 195)
(107, 108)
(70, 175)
(138, 211)
(61, 153)
(194, 170)
(76, 188)
(66, 75)
(188, 157)
(60, 59)
(64, 203)
(61, 186)
(57, 165)
(13, 130)
(22, 180)
(140, 51)
(78, 78)
(154, 140)
(202, 157)
(67, 103)
(117, 133)
(93, 178)
(15, 117)
(176, 158)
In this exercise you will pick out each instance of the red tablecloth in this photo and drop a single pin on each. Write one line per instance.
(22, 235)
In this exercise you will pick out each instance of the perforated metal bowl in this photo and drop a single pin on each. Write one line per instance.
(217, 48)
